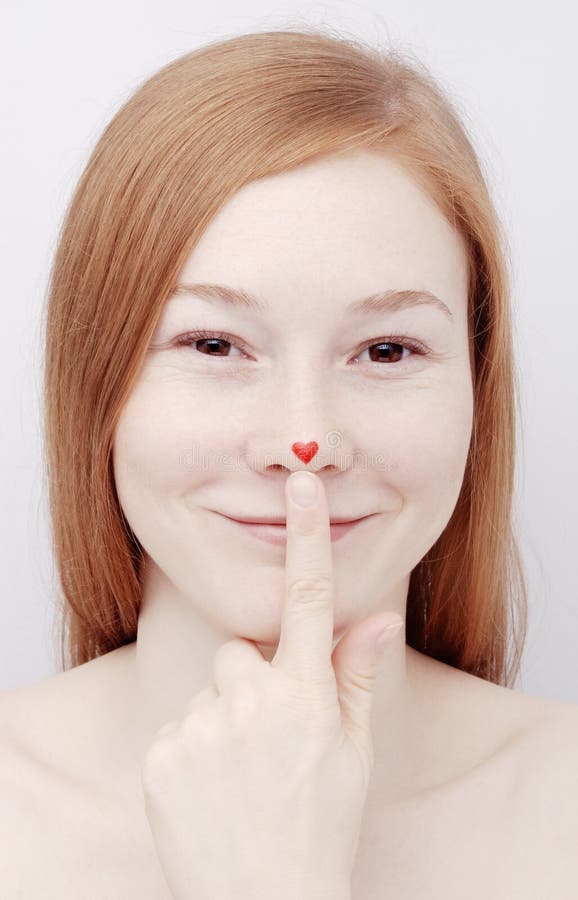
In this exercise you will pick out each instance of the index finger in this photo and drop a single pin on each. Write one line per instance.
(307, 620)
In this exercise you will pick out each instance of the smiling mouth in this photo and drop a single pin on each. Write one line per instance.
(277, 534)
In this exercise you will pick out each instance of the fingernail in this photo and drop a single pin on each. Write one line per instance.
(387, 635)
(303, 489)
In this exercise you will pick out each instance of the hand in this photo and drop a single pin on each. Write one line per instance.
(259, 791)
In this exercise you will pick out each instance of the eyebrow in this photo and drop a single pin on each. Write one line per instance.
(382, 301)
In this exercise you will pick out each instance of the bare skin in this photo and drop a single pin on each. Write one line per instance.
(73, 822)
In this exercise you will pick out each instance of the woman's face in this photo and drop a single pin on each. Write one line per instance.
(209, 426)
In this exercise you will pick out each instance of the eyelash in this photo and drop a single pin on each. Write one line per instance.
(190, 337)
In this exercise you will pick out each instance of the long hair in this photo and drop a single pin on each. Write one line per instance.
(185, 141)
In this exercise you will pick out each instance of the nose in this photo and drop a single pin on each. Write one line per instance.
(303, 427)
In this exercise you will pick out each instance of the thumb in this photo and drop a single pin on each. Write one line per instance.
(356, 663)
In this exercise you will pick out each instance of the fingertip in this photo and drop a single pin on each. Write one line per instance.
(303, 489)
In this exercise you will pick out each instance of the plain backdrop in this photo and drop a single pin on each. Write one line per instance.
(512, 70)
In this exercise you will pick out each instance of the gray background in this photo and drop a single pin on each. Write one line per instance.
(67, 68)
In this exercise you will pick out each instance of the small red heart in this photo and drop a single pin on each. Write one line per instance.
(305, 452)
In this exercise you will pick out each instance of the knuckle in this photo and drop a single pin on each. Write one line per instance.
(200, 725)
(307, 527)
(158, 762)
(223, 652)
(244, 702)
(311, 588)
(358, 681)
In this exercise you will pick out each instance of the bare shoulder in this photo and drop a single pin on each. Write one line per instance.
(39, 724)
(548, 740)
(69, 824)
(54, 768)
(36, 718)
(62, 723)
(533, 770)
(547, 792)
(558, 724)
(543, 733)
(552, 755)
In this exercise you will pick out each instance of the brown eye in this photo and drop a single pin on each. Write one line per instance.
(389, 351)
(214, 346)
(208, 343)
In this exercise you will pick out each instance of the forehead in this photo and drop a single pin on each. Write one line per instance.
(354, 222)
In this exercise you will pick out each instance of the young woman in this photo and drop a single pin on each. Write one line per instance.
(282, 257)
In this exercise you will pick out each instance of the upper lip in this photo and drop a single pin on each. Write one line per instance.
(281, 520)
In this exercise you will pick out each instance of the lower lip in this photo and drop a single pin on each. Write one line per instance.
(277, 534)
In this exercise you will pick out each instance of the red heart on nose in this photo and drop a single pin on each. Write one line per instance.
(305, 452)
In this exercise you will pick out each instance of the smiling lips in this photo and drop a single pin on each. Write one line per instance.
(274, 531)
(277, 534)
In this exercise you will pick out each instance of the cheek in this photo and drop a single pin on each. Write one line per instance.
(427, 439)
(146, 456)
(444, 462)
(166, 441)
